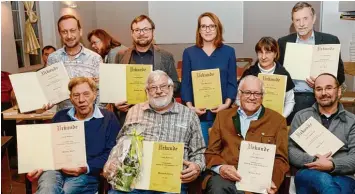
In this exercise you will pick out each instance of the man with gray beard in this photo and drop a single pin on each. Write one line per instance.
(165, 120)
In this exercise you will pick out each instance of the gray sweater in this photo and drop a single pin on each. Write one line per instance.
(342, 126)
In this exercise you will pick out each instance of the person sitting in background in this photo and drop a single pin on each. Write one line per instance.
(105, 45)
(46, 51)
(251, 121)
(101, 129)
(267, 51)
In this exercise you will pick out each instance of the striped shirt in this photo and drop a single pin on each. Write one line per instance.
(85, 64)
(179, 124)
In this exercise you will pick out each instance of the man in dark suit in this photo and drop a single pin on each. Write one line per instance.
(303, 18)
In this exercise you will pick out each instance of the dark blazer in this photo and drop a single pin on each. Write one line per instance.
(320, 38)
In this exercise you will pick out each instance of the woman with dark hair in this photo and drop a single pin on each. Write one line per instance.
(267, 51)
(105, 45)
(209, 52)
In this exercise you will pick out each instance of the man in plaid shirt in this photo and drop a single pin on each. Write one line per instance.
(163, 119)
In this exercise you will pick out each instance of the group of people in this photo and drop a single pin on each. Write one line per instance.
(212, 137)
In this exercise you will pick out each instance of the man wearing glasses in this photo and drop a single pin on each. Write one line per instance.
(251, 122)
(165, 120)
(145, 52)
(326, 173)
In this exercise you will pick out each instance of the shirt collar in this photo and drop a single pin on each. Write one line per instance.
(151, 49)
(97, 114)
(269, 71)
(173, 109)
(311, 38)
(83, 51)
(254, 116)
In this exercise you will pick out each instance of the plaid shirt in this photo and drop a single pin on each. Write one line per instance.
(85, 64)
(179, 124)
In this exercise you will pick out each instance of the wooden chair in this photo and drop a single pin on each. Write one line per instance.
(179, 69)
(242, 65)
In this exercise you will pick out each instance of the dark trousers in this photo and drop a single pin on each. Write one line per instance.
(218, 185)
(303, 100)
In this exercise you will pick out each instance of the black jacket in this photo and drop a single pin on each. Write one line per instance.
(320, 38)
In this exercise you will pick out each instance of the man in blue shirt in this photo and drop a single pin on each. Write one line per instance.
(101, 129)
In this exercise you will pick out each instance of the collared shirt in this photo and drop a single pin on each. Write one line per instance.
(244, 126)
(179, 124)
(143, 57)
(327, 119)
(245, 120)
(301, 85)
(96, 114)
(84, 64)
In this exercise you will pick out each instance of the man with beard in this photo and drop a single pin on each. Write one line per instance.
(165, 120)
(303, 18)
(78, 60)
(145, 52)
(326, 173)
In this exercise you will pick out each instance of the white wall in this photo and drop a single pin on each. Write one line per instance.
(8, 48)
(47, 23)
(343, 29)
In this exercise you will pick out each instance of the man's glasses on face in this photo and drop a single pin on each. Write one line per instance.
(163, 88)
(210, 27)
(327, 89)
(144, 30)
(249, 93)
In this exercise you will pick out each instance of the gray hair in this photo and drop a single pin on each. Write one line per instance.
(155, 75)
(244, 81)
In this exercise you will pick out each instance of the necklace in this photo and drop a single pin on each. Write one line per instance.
(81, 47)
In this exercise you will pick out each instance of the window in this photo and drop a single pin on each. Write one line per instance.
(26, 62)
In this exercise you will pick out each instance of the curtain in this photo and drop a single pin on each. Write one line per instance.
(31, 42)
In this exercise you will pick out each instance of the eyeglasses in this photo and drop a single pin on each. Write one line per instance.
(326, 89)
(249, 93)
(164, 88)
(210, 27)
(144, 30)
(95, 42)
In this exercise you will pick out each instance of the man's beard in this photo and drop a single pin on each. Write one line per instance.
(160, 102)
(145, 43)
(329, 103)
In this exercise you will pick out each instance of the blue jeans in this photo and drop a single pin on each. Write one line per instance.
(137, 191)
(55, 182)
(205, 125)
(313, 181)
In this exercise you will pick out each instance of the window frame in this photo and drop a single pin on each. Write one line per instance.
(22, 20)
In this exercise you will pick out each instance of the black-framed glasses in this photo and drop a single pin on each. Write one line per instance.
(249, 93)
(211, 27)
(326, 89)
(164, 88)
(144, 30)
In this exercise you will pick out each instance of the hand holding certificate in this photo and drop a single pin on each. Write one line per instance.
(303, 61)
(207, 88)
(51, 146)
(123, 82)
(314, 138)
(275, 91)
(47, 86)
(255, 166)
